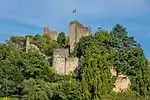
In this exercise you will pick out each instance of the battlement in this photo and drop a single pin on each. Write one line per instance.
(80, 25)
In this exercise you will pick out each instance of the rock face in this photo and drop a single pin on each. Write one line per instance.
(52, 34)
(62, 62)
(77, 31)
(122, 83)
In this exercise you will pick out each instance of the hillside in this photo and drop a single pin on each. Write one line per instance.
(26, 69)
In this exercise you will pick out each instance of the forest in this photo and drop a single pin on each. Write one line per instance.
(30, 76)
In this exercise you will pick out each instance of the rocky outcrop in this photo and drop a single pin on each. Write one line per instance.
(122, 82)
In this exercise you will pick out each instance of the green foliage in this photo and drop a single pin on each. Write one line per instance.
(31, 77)
(129, 95)
(63, 40)
(112, 49)
(11, 76)
(37, 90)
(17, 66)
(45, 43)
(35, 66)
(96, 79)
(67, 90)
(18, 40)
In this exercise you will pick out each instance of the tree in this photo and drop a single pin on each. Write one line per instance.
(44, 43)
(118, 50)
(11, 76)
(62, 39)
(131, 61)
(67, 90)
(37, 90)
(30, 75)
(17, 66)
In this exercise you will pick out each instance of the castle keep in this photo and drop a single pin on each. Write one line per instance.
(77, 31)
(61, 60)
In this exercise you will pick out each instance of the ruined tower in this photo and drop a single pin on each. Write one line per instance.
(52, 34)
(62, 62)
(27, 44)
(77, 31)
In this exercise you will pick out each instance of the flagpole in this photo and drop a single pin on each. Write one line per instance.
(74, 14)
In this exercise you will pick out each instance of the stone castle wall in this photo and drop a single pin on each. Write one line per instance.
(59, 59)
(77, 31)
(71, 64)
(62, 63)
(52, 34)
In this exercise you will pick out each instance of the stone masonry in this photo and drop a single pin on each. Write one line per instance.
(52, 34)
(62, 63)
(77, 31)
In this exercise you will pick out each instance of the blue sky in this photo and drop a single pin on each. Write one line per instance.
(22, 17)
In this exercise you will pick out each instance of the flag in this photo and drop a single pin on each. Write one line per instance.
(74, 11)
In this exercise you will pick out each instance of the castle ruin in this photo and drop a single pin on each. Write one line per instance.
(77, 31)
(62, 62)
(52, 34)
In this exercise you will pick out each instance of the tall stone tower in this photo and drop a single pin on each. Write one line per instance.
(52, 34)
(27, 44)
(77, 31)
